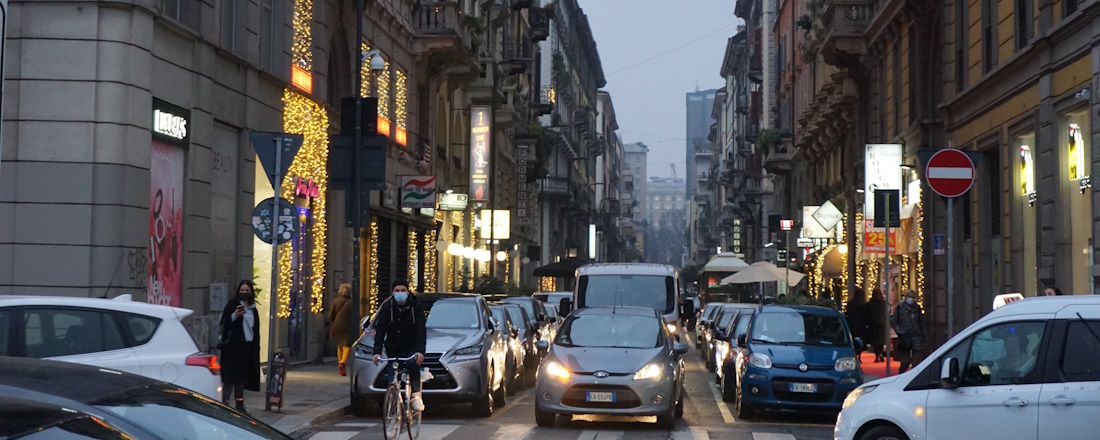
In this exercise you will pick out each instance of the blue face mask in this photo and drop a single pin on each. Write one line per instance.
(910, 300)
(401, 297)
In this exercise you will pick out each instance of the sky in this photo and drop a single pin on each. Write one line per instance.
(653, 52)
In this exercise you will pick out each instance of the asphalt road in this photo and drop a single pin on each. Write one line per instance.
(705, 417)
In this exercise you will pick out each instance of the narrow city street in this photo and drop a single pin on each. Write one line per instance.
(705, 417)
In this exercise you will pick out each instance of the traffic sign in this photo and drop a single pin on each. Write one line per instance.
(786, 225)
(265, 145)
(267, 228)
(950, 173)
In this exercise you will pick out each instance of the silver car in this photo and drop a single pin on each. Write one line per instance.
(465, 354)
(613, 361)
(516, 352)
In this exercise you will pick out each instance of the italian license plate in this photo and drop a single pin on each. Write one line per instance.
(600, 397)
(803, 388)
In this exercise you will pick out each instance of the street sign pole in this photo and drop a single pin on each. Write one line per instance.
(787, 265)
(274, 296)
(356, 258)
(950, 174)
(888, 283)
(950, 268)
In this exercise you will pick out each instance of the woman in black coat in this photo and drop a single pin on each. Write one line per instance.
(876, 324)
(241, 358)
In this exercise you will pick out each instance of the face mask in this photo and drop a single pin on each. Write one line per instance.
(910, 300)
(401, 297)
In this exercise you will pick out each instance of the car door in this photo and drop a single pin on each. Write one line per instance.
(1000, 385)
(80, 335)
(1070, 400)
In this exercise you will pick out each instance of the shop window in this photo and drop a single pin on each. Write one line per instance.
(184, 11)
(233, 24)
(1024, 21)
(989, 35)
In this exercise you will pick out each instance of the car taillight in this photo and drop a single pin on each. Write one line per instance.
(205, 360)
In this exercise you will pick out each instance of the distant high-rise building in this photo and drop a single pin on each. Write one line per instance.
(699, 120)
(635, 161)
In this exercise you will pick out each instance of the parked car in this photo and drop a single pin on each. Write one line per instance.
(1028, 370)
(551, 298)
(536, 312)
(705, 316)
(724, 315)
(552, 312)
(528, 335)
(465, 354)
(126, 405)
(615, 361)
(514, 372)
(728, 356)
(799, 358)
(119, 334)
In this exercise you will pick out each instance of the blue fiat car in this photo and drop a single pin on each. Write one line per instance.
(796, 358)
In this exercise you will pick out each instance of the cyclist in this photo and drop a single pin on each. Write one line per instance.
(400, 327)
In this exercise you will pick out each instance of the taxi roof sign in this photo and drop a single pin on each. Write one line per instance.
(1001, 300)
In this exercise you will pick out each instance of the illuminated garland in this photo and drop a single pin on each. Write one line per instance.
(303, 116)
(548, 284)
(414, 283)
(872, 274)
(844, 266)
(301, 52)
(372, 268)
(508, 270)
(400, 97)
(431, 255)
(918, 223)
(364, 74)
(384, 92)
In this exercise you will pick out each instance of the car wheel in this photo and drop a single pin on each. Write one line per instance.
(680, 406)
(884, 432)
(544, 419)
(744, 411)
(513, 384)
(668, 419)
(728, 394)
(499, 396)
(483, 405)
(710, 363)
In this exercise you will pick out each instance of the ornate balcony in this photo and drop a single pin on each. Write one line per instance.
(845, 22)
(444, 31)
(778, 160)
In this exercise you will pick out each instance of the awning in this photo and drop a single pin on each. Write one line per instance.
(566, 268)
(833, 262)
(725, 262)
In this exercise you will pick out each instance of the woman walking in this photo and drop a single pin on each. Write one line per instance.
(240, 359)
(339, 315)
(908, 322)
(876, 324)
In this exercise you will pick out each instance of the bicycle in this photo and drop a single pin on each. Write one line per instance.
(396, 407)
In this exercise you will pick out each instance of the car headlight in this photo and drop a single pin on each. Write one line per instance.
(671, 328)
(846, 364)
(556, 370)
(760, 361)
(649, 372)
(363, 350)
(855, 395)
(472, 350)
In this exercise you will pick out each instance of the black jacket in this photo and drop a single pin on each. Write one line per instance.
(400, 328)
(241, 359)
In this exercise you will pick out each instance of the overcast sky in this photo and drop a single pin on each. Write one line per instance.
(648, 85)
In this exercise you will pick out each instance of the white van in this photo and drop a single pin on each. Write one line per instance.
(654, 286)
(1029, 370)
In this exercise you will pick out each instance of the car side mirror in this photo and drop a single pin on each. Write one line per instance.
(565, 306)
(949, 373)
(542, 345)
(679, 348)
(365, 322)
(742, 341)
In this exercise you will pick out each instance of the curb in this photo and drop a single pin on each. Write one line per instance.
(325, 413)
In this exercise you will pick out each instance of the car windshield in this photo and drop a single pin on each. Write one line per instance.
(727, 317)
(174, 413)
(799, 328)
(453, 314)
(517, 314)
(620, 331)
(649, 291)
(498, 314)
(710, 311)
(527, 305)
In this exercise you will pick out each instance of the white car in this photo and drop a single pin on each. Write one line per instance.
(120, 334)
(1028, 370)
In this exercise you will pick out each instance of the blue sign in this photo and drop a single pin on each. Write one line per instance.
(939, 244)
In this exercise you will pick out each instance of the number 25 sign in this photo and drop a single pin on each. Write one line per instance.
(874, 239)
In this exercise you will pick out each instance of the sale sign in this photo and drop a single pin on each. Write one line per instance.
(874, 239)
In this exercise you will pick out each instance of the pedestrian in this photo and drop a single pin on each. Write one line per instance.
(875, 318)
(400, 330)
(856, 313)
(908, 322)
(339, 315)
(1052, 291)
(240, 359)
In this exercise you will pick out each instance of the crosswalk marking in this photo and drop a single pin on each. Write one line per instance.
(512, 431)
(771, 436)
(434, 432)
(356, 425)
(334, 435)
(693, 434)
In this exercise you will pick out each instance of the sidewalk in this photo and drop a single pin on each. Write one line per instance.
(311, 394)
(873, 371)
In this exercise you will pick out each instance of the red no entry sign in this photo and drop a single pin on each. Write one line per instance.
(950, 173)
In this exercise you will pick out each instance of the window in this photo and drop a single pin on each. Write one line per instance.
(5, 325)
(960, 45)
(989, 35)
(67, 332)
(1069, 7)
(184, 11)
(1004, 354)
(141, 328)
(1081, 356)
(233, 25)
(1024, 17)
(271, 21)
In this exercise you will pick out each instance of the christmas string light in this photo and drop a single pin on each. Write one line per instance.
(919, 224)
(372, 268)
(364, 73)
(384, 93)
(400, 97)
(431, 254)
(414, 284)
(301, 51)
(844, 266)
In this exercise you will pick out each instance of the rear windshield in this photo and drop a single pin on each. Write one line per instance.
(446, 314)
(498, 314)
(650, 291)
(619, 331)
(518, 319)
(727, 317)
(793, 328)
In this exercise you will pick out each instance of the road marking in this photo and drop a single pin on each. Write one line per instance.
(588, 435)
(694, 434)
(356, 425)
(512, 431)
(429, 432)
(722, 408)
(771, 436)
(512, 404)
(334, 435)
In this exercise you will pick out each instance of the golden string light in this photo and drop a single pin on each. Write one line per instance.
(364, 73)
(301, 51)
(431, 255)
(384, 92)
(400, 97)
(414, 283)
(918, 223)
(303, 116)
(844, 266)
(372, 268)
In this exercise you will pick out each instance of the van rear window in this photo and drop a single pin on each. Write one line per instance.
(649, 291)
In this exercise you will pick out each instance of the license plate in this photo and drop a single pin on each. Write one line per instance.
(599, 397)
(803, 388)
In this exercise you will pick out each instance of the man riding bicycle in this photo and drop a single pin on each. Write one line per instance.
(400, 326)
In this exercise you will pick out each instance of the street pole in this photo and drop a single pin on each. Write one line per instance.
(356, 302)
(787, 265)
(888, 283)
(273, 299)
(493, 176)
(950, 268)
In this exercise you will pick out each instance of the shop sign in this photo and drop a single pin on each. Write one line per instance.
(827, 215)
(500, 221)
(453, 202)
(523, 201)
(171, 123)
(810, 226)
(306, 188)
(480, 152)
(418, 191)
(874, 239)
(882, 170)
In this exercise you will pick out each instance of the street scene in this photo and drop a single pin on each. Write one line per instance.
(549, 219)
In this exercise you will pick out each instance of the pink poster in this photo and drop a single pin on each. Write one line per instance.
(166, 225)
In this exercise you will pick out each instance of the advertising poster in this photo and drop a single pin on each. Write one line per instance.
(418, 192)
(882, 170)
(480, 148)
(166, 224)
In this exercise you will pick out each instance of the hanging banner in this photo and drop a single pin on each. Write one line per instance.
(418, 191)
(166, 224)
(480, 150)
(881, 170)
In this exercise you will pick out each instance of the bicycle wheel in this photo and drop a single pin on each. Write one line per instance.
(412, 423)
(391, 414)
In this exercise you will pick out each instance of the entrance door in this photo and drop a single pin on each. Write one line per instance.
(301, 272)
